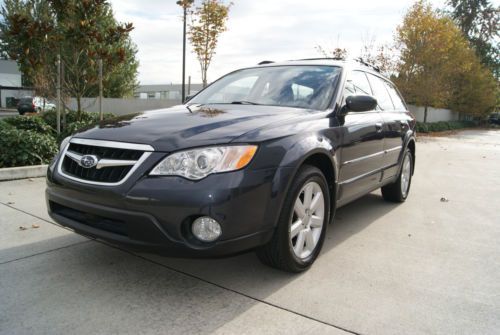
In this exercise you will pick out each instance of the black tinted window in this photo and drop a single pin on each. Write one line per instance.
(380, 92)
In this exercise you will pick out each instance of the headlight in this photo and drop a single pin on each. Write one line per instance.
(64, 143)
(198, 163)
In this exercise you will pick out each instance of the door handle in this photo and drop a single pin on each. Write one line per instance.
(378, 126)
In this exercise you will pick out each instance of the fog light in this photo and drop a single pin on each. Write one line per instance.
(206, 229)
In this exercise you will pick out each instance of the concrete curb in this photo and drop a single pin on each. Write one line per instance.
(23, 172)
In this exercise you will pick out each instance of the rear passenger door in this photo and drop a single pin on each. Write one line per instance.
(392, 111)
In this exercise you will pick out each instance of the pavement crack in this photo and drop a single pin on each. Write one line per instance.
(44, 252)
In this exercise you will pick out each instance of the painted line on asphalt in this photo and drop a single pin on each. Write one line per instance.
(174, 270)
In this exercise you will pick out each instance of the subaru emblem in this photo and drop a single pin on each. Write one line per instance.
(89, 161)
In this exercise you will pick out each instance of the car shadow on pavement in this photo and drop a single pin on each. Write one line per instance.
(122, 291)
(244, 273)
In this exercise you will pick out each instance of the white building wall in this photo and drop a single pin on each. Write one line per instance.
(7, 79)
(433, 114)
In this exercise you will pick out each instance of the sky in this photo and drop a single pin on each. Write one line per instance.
(257, 30)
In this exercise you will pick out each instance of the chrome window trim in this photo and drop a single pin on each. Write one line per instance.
(108, 144)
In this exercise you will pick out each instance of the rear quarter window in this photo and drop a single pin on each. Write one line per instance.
(396, 98)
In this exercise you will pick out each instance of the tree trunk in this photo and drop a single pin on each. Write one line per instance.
(425, 114)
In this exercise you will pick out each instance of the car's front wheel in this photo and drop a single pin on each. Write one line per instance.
(301, 229)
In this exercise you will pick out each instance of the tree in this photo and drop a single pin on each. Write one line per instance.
(479, 22)
(433, 52)
(36, 31)
(208, 23)
(336, 53)
(475, 90)
(381, 56)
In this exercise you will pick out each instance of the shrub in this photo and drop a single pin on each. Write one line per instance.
(71, 117)
(5, 125)
(25, 147)
(444, 126)
(87, 119)
(34, 123)
(75, 127)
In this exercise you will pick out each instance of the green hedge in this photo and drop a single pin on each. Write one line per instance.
(25, 147)
(34, 123)
(33, 140)
(444, 126)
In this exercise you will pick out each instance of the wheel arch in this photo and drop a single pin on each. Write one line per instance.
(323, 159)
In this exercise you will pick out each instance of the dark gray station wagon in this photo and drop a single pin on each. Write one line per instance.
(259, 160)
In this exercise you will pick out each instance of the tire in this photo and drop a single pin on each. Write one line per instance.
(285, 252)
(399, 190)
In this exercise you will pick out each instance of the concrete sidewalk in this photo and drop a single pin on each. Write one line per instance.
(422, 267)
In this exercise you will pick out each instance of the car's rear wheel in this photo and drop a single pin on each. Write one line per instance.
(300, 232)
(399, 190)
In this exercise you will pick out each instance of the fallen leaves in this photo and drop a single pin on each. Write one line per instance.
(33, 226)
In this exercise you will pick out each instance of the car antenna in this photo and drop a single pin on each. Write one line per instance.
(265, 62)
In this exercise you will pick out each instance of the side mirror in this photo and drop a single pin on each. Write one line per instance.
(188, 97)
(361, 103)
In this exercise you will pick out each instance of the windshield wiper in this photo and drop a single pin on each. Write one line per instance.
(243, 102)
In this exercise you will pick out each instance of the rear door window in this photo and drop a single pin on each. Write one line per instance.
(361, 84)
(380, 92)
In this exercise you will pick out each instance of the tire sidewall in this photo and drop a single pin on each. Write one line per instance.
(306, 175)
(410, 157)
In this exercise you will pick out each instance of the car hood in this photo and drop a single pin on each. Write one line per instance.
(181, 127)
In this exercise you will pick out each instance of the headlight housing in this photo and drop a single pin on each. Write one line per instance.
(64, 143)
(196, 164)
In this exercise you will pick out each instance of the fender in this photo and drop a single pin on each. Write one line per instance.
(408, 137)
(295, 157)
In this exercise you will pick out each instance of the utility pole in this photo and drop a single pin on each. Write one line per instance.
(185, 4)
(100, 90)
(59, 93)
(63, 110)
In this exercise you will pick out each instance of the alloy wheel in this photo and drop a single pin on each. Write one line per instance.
(307, 220)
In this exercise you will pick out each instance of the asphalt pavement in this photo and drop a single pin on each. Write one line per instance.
(428, 266)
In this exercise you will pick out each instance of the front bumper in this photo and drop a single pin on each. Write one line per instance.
(155, 214)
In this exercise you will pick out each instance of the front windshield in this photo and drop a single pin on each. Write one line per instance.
(291, 86)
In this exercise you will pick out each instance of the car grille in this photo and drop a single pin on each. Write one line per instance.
(123, 160)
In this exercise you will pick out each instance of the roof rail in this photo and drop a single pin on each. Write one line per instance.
(265, 62)
(365, 63)
(322, 58)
